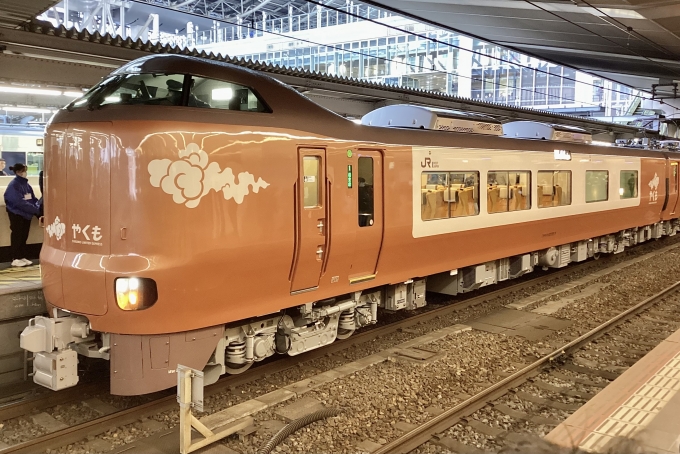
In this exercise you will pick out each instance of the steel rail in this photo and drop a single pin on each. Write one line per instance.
(168, 402)
(416, 437)
(48, 399)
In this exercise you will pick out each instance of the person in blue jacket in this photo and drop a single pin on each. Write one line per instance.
(41, 206)
(21, 205)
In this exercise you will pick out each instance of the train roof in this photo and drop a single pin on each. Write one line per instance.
(277, 95)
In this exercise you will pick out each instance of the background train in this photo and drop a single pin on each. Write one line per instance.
(203, 214)
(21, 143)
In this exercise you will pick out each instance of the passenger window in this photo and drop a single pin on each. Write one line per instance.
(432, 188)
(34, 162)
(311, 166)
(628, 184)
(508, 191)
(597, 185)
(554, 188)
(449, 194)
(217, 94)
(366, 205)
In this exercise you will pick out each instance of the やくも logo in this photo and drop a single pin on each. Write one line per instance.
(653, 189)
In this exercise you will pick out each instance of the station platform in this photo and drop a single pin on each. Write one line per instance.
(21, 298)
(642, 404)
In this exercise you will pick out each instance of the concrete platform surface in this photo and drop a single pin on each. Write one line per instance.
(21, 293)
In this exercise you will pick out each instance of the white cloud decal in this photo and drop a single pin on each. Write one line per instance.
(56, 228)
(192, 177)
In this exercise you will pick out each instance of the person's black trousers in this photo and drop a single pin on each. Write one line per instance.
(20, 228)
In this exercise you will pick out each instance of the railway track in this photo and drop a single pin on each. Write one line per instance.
(166, 401)
(463, 412)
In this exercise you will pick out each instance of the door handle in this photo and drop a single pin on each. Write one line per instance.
(319, 252)
(320, 226)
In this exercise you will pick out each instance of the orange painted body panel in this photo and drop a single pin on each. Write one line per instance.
(223, 261)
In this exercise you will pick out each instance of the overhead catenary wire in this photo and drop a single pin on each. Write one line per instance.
(500, 59)
(339, 48)
(623, 27)
(530, 2)
(434, 40)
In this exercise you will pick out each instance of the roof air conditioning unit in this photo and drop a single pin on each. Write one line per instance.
(419, 117)
(546, 131)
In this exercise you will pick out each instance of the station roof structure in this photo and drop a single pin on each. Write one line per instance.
(40, 53)
(633, 42)
(14, 13)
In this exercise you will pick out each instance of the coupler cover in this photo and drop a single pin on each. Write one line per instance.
(56, 370)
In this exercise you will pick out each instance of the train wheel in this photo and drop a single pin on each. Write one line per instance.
(234, 369)
(344, 333)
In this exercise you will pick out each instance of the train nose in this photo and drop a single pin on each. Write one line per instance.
(77, 216)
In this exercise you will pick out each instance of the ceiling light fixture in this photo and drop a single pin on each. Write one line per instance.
(29, 91)
(25, 110)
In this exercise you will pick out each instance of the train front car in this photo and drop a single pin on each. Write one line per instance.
(166, 188)
(203, 214)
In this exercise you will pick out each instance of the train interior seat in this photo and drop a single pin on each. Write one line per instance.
(441, 202)
(494, 199)
(545, 195)
(518, 195)
(451, 194)
(503, 193)
(558, 195)
(471, 201)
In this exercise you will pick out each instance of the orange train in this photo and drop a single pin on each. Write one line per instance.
(203, 214)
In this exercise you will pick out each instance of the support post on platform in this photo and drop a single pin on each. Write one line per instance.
(190, 396)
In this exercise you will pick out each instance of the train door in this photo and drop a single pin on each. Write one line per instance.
(369, 215)
(311, 215)
(673, 202)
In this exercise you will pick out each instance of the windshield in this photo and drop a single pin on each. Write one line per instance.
(155, 89)
(172, 90)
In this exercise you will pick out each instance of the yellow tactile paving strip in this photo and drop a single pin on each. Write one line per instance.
(19, 278)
